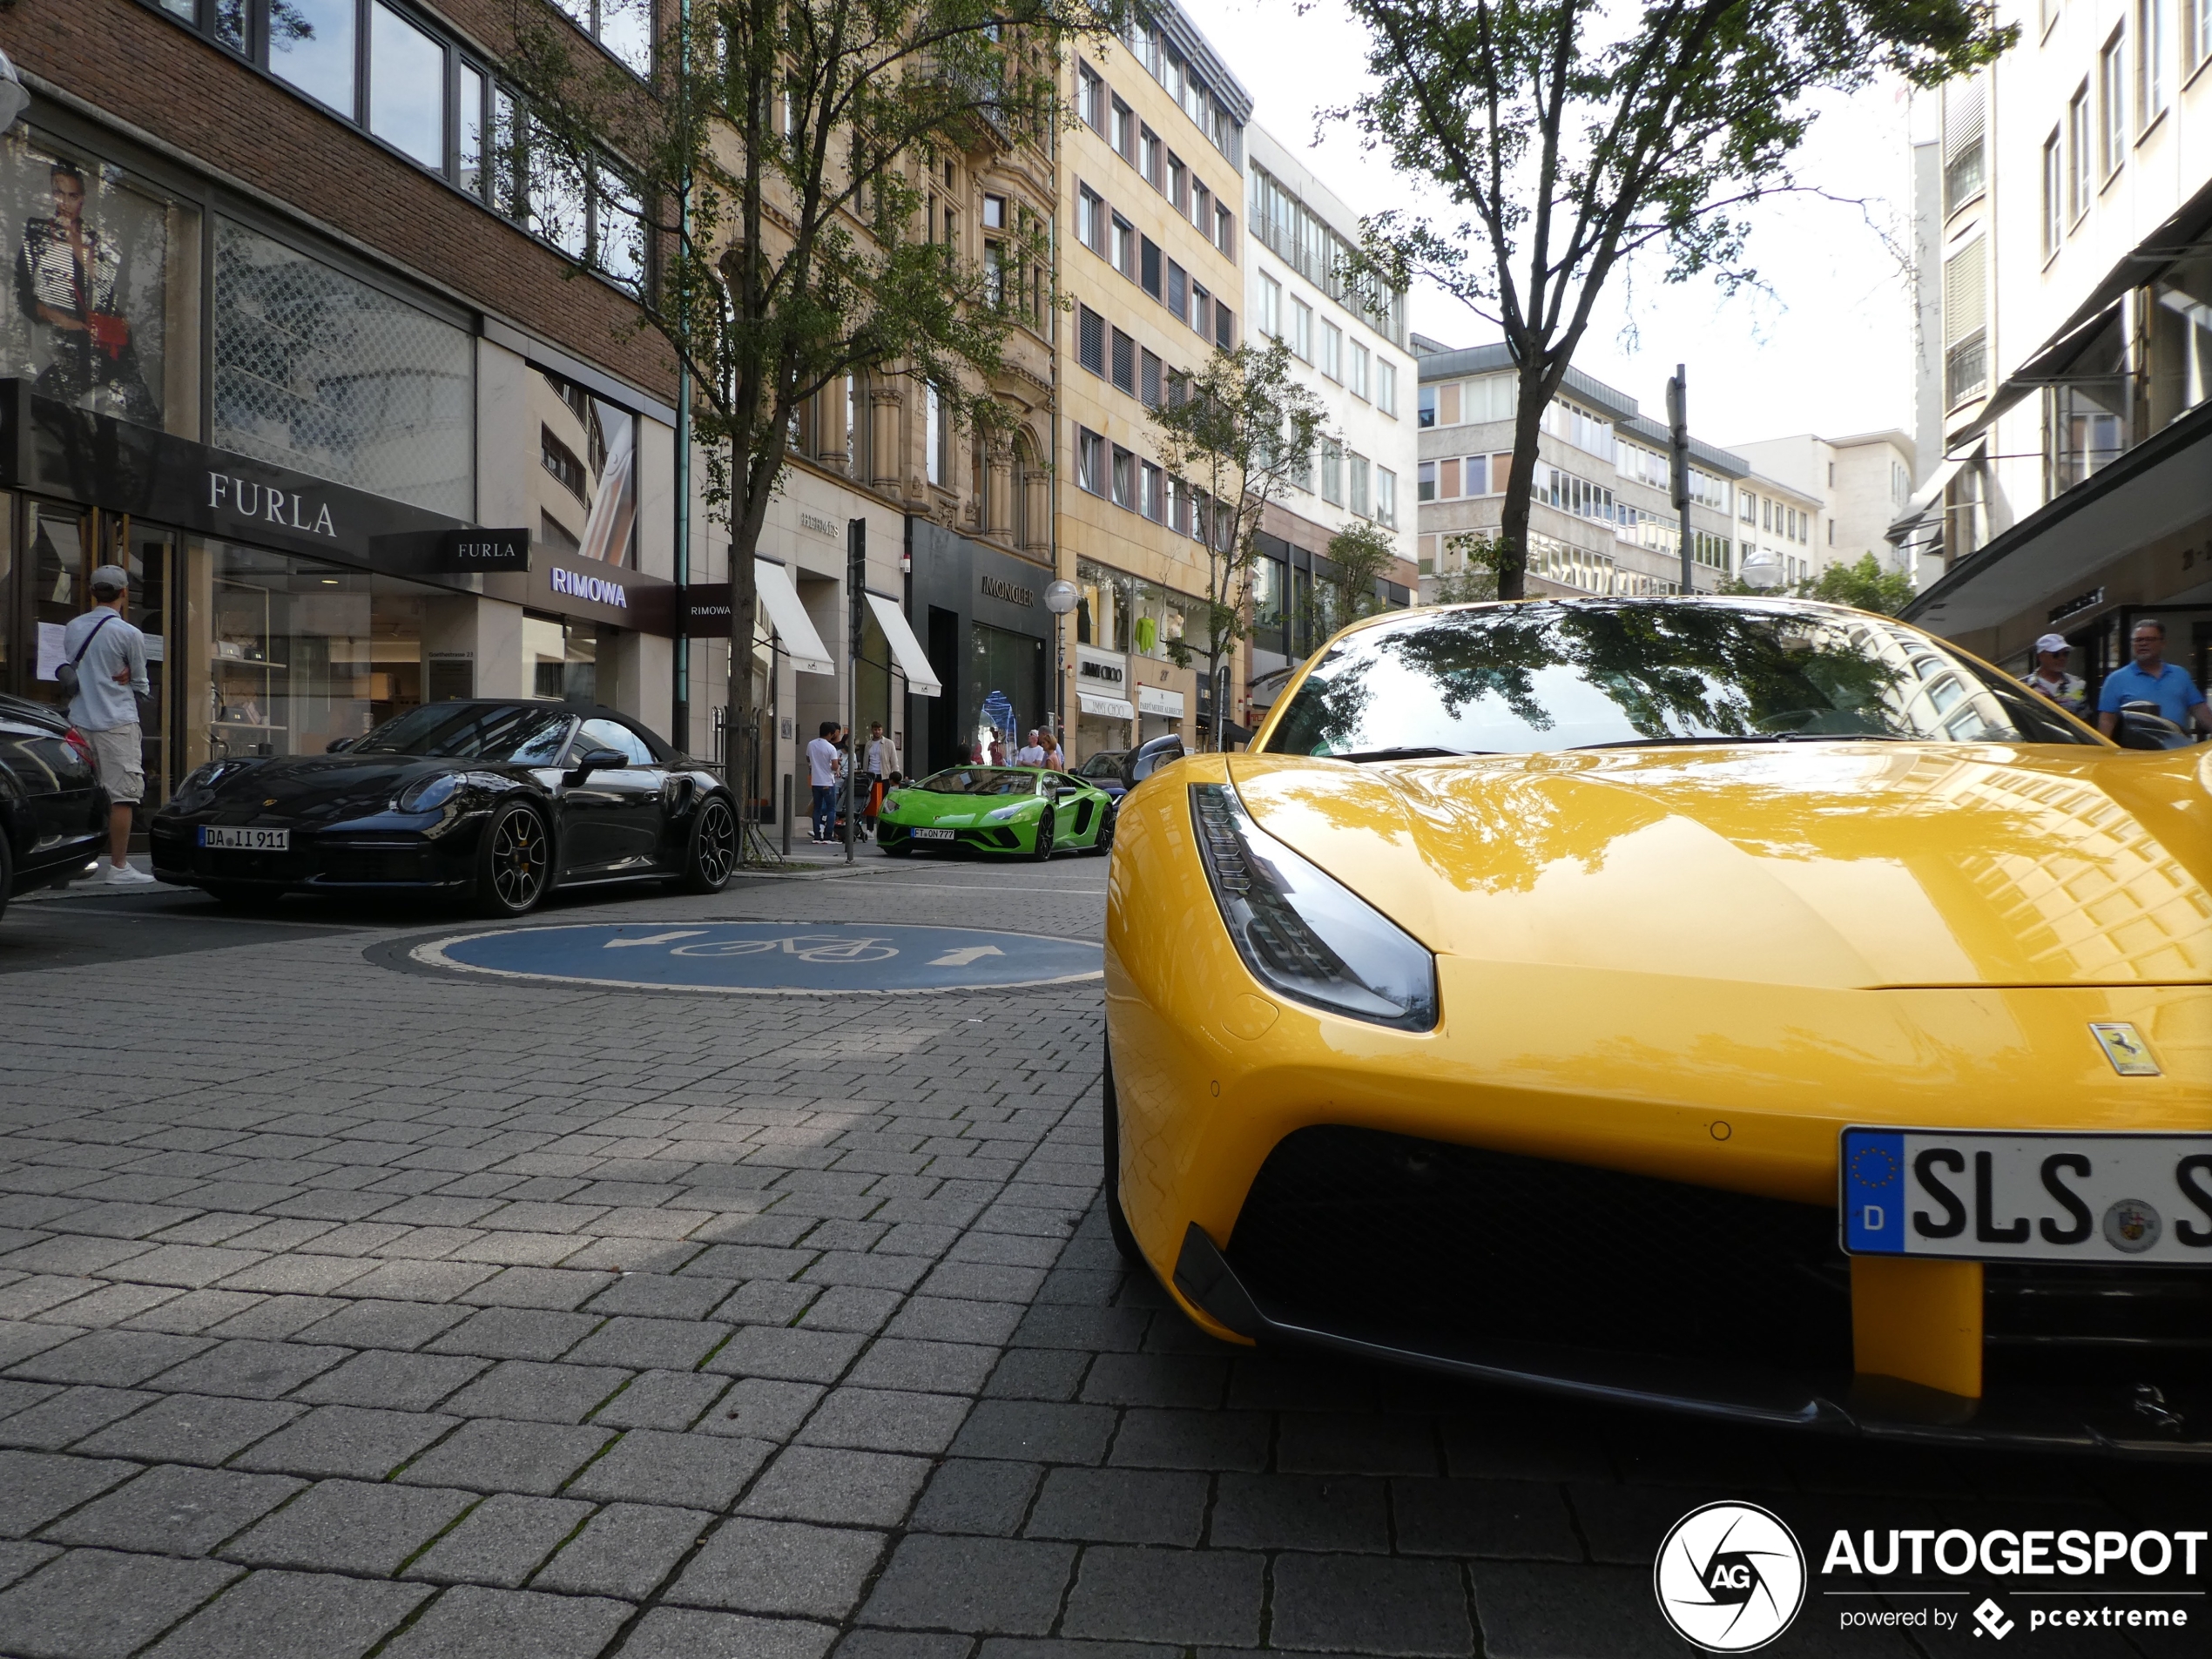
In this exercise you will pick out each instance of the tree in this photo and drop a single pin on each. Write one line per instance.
(1570, 136)
(1862, 584)
(1238, 431)
(779, 171)
(1476, 579)
(1363, 555)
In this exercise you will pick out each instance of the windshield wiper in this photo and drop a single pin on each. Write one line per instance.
(1409, 752)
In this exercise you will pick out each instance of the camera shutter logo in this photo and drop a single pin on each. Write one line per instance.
(1729, 1577)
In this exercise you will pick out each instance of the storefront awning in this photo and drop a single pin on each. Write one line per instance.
(906, 649)
(789, 618)
(1926, 498)
(1155, 700)
(1108, 708)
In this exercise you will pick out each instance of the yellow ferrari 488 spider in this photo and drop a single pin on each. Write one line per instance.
(1753, 1007)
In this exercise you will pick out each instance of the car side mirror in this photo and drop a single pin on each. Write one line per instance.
(1150, 757)
(593, 760)
(2137, 730)
(337, 746)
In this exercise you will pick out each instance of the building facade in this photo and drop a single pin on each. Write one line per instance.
(1348, 346)
(1600, 519)
(2065, 224)
(1846, 492)
(1151, 183)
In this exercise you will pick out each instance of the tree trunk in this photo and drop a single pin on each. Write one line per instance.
(1521, 482)
(744, 604)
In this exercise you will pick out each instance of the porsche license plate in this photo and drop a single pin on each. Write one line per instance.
(2051, 1197)
(933, 835)
(246, 838)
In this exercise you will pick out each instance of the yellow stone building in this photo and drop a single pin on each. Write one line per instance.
(1150, 197)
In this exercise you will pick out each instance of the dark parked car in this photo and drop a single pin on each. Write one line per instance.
(495, 801)
(53, 813)
(1103, 771)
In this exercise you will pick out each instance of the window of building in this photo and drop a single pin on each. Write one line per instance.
(1179, 295)
(936, 437)
(2078, 143)
(1178, 184)
(2150, 60)
(1356, 467)
(2054, 194)
(1124, 362)
(2196, 36)
(1201, 207)
(624, 27)
(1148, 379)
(1269, 293)
(1153, 503)
(1331, 472)
(406, 103)
(995, 274)
(1332, 363)
(1428, 406)
(1091, 97)
(1148, 268)
(1302, 330)
(1224, 326)
(1124, 478)
(1090, 219)
(1424, 482)
(1964, 107)
(1151, 158)
(1123, 136)
(1357, 380)
(1201, 316)
(315, 51)
(2112, 93)
(1090, 340)
(1090, 461)
(994, 212)
(1124, 253)
(1964, 306)
(1224, 228)
(1386, 497)
(1386, 385)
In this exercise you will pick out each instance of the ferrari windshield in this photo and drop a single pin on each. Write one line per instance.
(1519, 679)
(980, 780)
(531, 734)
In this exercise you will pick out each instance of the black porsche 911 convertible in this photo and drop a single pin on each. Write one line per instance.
(495, 801)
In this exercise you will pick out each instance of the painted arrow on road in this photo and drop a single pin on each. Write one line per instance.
(965, 954)
(657, 939)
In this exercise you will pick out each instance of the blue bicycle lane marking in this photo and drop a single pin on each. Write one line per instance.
(767, 957)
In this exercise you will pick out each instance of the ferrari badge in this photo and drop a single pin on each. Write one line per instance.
(2129, 1054)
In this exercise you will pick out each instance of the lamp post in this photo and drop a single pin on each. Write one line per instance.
(1761, 570)
(1060, 599)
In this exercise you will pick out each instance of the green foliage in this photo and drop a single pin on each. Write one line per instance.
(1567, 137)
(1364, 555)
(1240, 429)
(1862, 584)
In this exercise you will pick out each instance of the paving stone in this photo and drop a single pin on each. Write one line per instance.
(929, 1319)
(251, 1370)
(1513, 1519)
(991, 1585)
(21, 1338)
(294, 1615)
(491, 1456)
(1531, 1611)
(1300, 1512)
(760, 1408)
(1172, 1596)
(35, 1487)
(1370, 1604)
(418, 1281)
(21, 1396)
(845, 1307)
(517, 1333)
(841, 1488)
(1164, 1440)
(670, 1344)
(937, 1367)
(537, 1393)
(921, 1644)
(351, 1526)
(884, 1420)
(401, 1381)
(502, 1542)
(626, 1550)
(776, 1566)
(100, 1604)
(112, 1359)
(1037, 1373)
(663, 1295)
(985, 1496)
(347, 1440)
(16, 1560)
(1030, 1431)
(792, 1355)
(112, 1304)
(690, 1633)
(468, 1622)
(537, 1287)
(655, 1467)
(191, 1428)
(1123, 1506)
(669, 1399)
(403, 1325)
(70, 1415)
(173, 1510)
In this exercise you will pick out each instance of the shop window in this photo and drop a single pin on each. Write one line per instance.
(562, 655)
(321, 374)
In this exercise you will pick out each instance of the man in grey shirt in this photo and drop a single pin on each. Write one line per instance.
(111, 659)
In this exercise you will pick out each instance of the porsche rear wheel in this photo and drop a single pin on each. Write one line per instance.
(712, 852)
(513, 864)
(1042, 849)
(1110, 1117)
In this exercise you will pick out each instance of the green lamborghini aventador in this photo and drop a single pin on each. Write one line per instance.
(1020, 810)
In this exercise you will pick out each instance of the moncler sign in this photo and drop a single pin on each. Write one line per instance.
(268, 504)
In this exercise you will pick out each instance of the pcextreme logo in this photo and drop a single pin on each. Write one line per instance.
(1729, 1577)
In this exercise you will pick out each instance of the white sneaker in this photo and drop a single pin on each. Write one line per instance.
(122, 875)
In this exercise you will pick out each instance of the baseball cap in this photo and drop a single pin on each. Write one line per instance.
(110, 576)
(2053, 642)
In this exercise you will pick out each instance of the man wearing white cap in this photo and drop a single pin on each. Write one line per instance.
(110, 658)
(2068, 691)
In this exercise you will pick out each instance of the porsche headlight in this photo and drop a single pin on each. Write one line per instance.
(430, 795)
(1302, 932)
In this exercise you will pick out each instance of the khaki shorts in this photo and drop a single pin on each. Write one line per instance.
(116, 755)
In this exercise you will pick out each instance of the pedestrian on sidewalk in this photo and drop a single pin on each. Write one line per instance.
(2068, 691)
(1052, 762)
(823, 763)
(998, 747)
(883, 757)
(108, 657)
(1030, 754)
(2150, 678)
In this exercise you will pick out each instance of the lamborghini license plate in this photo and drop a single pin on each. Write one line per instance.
(245, 838)
(2050, 1197)
(933, 835)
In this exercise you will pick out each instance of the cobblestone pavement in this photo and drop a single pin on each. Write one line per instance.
(348, 1310)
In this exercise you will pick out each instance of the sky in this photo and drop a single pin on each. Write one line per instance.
(1828, 349)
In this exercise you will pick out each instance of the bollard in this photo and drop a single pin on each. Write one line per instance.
(787, 814)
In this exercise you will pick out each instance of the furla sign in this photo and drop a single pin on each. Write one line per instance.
(269, 503)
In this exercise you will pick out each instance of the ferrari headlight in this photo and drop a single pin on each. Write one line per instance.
(1304, 933)
(430, 795)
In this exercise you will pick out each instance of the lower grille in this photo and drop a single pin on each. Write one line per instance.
(1353, 1229)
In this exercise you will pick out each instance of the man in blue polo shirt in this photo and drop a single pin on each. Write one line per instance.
(2151, 678)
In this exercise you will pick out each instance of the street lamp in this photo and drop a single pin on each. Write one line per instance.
(1060, 597)
(1761, 570)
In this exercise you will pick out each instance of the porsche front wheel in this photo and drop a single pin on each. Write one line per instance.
(514, 862)
(1110, 1117)
(712, 852)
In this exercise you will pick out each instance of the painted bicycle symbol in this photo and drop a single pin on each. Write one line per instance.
(808, 948)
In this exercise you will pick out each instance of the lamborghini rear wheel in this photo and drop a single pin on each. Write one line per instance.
(1109, 1115)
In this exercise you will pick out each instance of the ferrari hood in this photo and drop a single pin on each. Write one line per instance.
(1833, 865)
